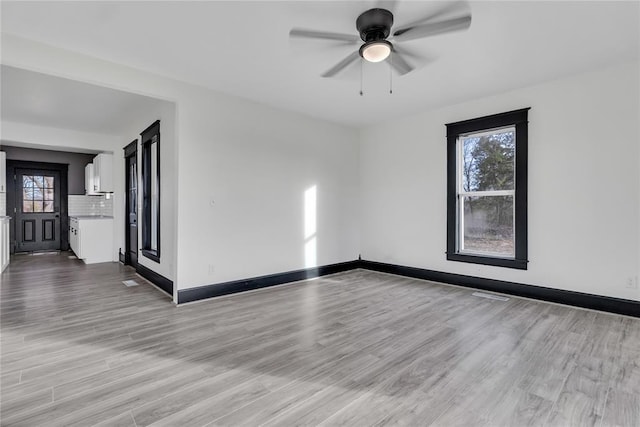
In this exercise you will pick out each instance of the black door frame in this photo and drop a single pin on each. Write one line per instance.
(61, 168)
(129, 151)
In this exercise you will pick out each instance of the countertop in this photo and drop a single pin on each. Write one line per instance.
(90, 217)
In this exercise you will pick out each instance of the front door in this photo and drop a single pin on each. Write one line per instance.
(131, 205)
(37, 210)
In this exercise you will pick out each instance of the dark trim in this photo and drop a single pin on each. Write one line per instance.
(454, 130)
(488, 122)
(61, 168)
(522, 186)
(571, 298)
(155, 278)
(577, 299)
(131, 150)
(146, 140)
(121, 257)
(152, 255)
(150, 129)
(219, 289)
(488, 260)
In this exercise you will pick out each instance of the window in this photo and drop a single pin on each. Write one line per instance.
(151, 192)
(37, 193)
(487, 190)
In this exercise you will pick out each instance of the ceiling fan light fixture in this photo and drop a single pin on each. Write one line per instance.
(375, 51)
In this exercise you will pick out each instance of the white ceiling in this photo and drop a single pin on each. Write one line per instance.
(36, 98)
(243, 48)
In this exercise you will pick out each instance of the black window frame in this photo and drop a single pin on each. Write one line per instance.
(147, 139)
(518, 119)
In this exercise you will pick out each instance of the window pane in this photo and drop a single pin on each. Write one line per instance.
(48, 194)
(38, 206)
(488, 161)
(150, 191)
(27, 206)
(49, 181)
(27, 194)
(155, 185)
(38, 180)
(488, 225)
(133, 176)
(48, 206)
(27, 181)
(38, 193)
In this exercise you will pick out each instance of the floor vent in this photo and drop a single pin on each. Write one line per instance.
(490, 296)
(130, 283)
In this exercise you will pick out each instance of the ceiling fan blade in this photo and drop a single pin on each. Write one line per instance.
(433, 28)
(341, 65)
(449, 9)
(398, 63)
(406, 52)
(312, 34)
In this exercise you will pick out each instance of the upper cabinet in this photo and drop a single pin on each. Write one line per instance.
(90, 188)
(3, 172)
(103, 173)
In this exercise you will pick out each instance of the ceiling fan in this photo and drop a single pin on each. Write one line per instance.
(374, 29)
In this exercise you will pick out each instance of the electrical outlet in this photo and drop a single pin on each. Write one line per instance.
(632, 283)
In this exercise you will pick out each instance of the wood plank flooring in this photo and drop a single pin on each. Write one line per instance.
(356, 348)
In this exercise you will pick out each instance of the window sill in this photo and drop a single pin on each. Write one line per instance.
(518, 264)
(152, 255)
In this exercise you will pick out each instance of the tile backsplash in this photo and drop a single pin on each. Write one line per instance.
(3, 204)
(78, 205)
(91, 205)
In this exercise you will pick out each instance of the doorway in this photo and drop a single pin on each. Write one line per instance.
(131, 204)
(37, 197)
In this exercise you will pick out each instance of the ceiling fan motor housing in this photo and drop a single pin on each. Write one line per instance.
(374, 24)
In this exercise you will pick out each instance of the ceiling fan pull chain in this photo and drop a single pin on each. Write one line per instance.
(390, 73)
(361, 62)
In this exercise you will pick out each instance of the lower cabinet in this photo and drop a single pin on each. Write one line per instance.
(4, 242)
(91, 238)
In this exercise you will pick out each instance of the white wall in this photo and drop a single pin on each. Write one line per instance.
(253, 161)
(255, 164)
(47, 138)
(584, 187)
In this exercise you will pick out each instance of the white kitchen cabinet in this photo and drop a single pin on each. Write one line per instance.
(3, 172)
(90, 188)
(91, 238)
(103, 173)
(4, 241)
(73, 235)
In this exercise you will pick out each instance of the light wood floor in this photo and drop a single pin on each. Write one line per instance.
(356, 348)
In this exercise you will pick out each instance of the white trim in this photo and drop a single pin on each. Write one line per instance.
(461, 194)
(499, 255)
(476, 134)
(460, 231)
(487, 193)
